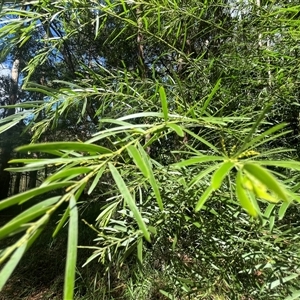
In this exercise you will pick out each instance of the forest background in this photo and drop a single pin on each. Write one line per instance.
(155, 143)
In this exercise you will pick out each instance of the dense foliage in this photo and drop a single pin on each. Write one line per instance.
(176, 122)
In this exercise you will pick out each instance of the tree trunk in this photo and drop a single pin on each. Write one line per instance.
(17, 183)
(7, 136)
(4, 175)
(32, 179)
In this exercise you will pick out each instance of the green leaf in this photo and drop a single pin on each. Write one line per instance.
(129, 200)
(197, 179)
(152, 179)
(67, 173)
(202, 140)
(197, 160)
(96, 180)
(220, 174)
(244, 198)
(203, 198)
(139, 160)
(282, 210)
(71, 251)
(255, 140)
(266, 178)
(62, 221)
(295, 295)
(176, 128)
(214, 90)
(8, 125)
(168, 295)
(280, 281)
(72, 146)
(11, 265)
(26, 216)
(140, 250)
(32, 193)
(164, 103)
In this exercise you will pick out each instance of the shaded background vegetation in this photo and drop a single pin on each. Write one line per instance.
(224, 67)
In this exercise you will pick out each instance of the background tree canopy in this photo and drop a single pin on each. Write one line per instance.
(168, 130)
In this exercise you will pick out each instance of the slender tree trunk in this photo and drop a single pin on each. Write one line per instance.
(7, 136)
(17, 183)
(32, 179)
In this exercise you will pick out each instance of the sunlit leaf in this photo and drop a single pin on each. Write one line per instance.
(26, 216)
(176, 128)
(73, 146)
(67, 174)
(9, 267)
(129, 200)
(243, 197)
(206, 194)
(21, 198)
(282, 210)
(96, 180)
(220, 174)
(71, 251)
(197, 160)
(266, 178)
(164, 103)
(139, 160)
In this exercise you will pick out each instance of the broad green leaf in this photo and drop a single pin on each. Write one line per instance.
(164, 103)
(176, 128)
(32, 193)
(203, 198)
(197, 160)
(73, 146)
(139, 160)
(243, 196)
(26, 216)
(129, 200)
(220, 174)
(9, 267)
(266, 178)
(71, 251)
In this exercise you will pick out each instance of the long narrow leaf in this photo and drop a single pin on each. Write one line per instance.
(266, 178)
(164, 103)
(32, 193)
(71, 251)
(11, 265)
(203, 198)
(73, 146)
(129, 200)
(26, 216)
(220, 174)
